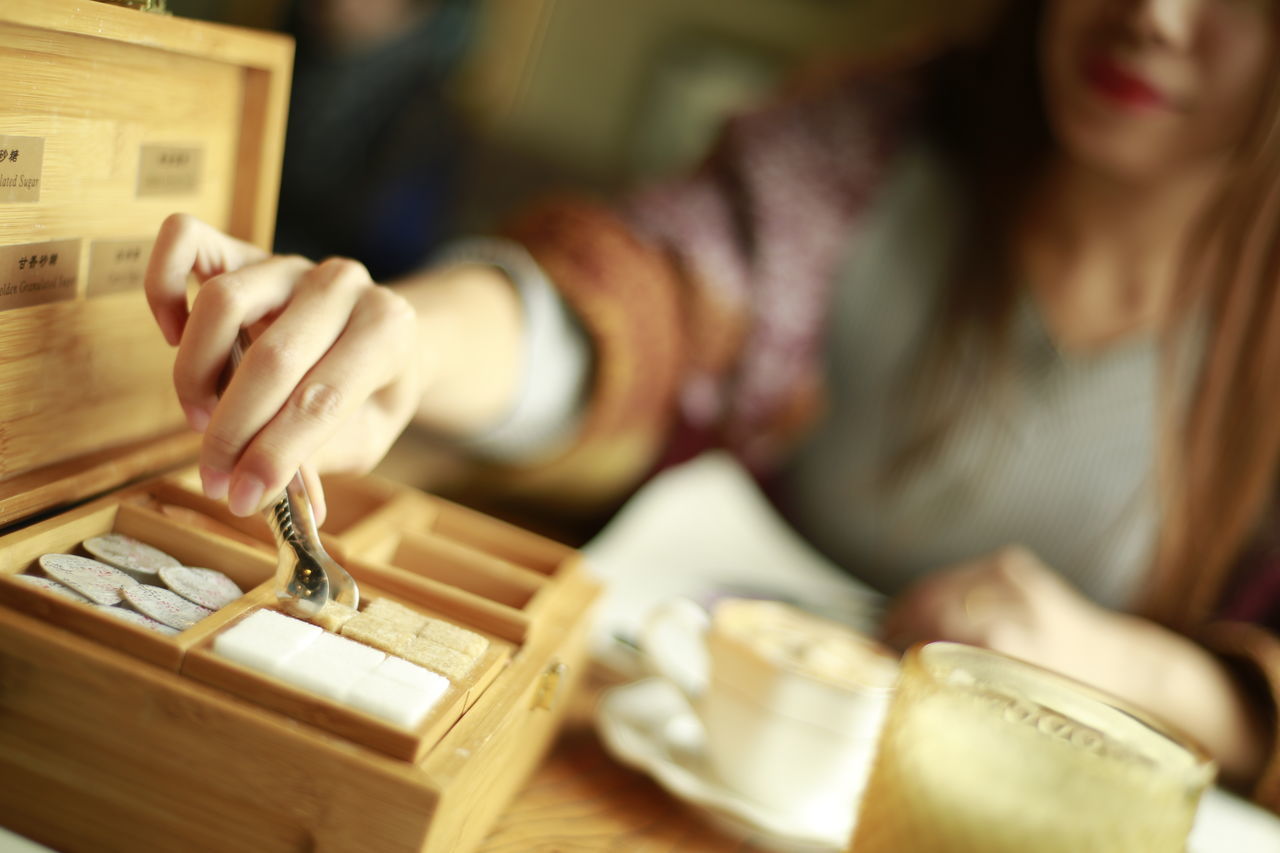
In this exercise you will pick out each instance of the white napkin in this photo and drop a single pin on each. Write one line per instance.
(704, 530)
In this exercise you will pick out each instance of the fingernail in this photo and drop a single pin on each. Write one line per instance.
(245, 495)
(197, 417)
(215, 483)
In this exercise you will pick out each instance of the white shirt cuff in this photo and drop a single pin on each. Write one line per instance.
(556, 354)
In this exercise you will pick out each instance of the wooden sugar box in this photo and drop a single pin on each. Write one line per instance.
(116, 738)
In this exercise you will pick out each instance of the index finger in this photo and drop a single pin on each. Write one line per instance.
(185, 245)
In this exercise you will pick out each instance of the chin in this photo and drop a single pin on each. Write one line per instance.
(1119, 161)
(1117, 150)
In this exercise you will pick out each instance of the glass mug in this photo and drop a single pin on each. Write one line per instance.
(981, 752)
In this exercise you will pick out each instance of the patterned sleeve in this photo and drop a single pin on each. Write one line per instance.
(1253, 653)
(702, 298)
(1246, 634)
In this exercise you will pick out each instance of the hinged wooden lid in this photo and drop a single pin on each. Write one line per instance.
(110, 120)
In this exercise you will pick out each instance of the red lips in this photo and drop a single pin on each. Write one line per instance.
(1122, 86)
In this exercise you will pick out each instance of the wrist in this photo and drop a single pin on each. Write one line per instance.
(1181, 682)
(469, 334)
(1121, 657)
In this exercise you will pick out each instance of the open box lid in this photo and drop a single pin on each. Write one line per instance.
(110, 120)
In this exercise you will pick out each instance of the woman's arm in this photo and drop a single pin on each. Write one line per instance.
(1012, 603)
(1193, 689)
(469, 331)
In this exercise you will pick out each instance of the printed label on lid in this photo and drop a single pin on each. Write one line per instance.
(35, 273)
(169, 170)
(21, 168)
(117, 265)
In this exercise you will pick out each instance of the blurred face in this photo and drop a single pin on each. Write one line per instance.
(1143, 89)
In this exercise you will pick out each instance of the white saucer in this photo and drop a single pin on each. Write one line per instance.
(649, 725)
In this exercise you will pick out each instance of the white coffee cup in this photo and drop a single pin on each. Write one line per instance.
(791, 705)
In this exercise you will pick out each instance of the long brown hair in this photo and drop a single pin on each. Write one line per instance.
(1218, 475)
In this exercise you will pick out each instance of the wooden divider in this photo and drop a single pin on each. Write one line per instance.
(352, 500)
(175, 498)
(20, 549)
(499, 538)
(464, 607)
(374, 536)
(466, 568)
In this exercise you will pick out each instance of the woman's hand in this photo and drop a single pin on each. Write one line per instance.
(331, 376)
(1013, 603)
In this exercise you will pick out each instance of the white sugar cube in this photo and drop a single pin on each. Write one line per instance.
(266, 640)
(394, 700)
(330, 665)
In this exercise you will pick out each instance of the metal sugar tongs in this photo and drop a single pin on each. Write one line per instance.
(307, 578)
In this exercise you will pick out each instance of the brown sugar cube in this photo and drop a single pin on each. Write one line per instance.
(333, 616)
(372, 631)
(397, 614)
(454, 637)
(450, 663)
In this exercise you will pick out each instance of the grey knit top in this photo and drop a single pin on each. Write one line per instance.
(1059, 458)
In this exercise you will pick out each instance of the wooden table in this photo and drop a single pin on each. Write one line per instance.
(581, 799)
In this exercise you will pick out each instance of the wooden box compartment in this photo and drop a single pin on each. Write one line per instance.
(248, 567)
(116, 738)
(457, 767)
(202, 664)
(502, 576)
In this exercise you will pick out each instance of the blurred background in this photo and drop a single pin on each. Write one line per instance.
(413, 121)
